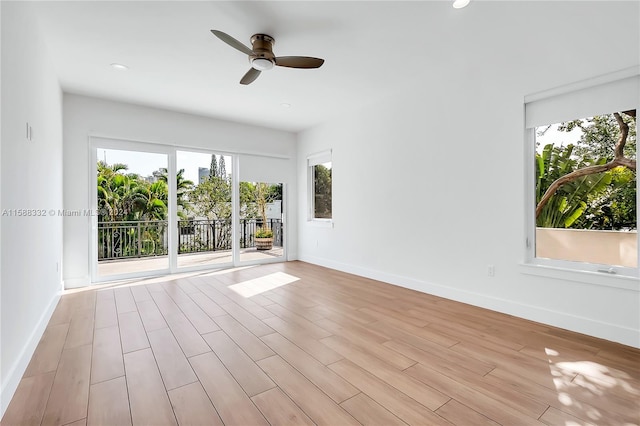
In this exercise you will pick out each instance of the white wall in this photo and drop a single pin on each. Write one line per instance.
(446, 157)
(31, 179)
(84, 116)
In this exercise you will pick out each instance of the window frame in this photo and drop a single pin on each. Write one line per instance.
(313, 160)
(565, 269)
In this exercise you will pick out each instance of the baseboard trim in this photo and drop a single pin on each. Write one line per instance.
(603, 330)
(11, 381)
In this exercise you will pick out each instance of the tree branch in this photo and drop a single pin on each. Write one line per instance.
(576, 174)
(624, 132)
(619, 160)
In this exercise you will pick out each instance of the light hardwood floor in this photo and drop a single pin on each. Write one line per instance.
(294, 343)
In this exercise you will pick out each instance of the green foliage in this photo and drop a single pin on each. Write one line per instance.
(570, 200)
(251, 196)
(213, 168)
(615, 207)
(222, 168)
(598, 201)
(600, 134)
(322, 196)
(263, 195)
(128, 196)
(183, 186)
(212, 198)
(264, 232)
(248, 207)
(261, 201)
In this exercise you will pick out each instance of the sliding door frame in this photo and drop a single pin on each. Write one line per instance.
(174, 201)
(123, 144)
(285, 234)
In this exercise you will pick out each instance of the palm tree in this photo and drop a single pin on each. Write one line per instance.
(155, 206)
(183, 186)
(113, 187)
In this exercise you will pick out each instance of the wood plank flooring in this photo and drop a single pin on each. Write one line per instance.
(294, 343)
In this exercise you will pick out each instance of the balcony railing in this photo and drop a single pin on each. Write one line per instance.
(129, 239)
(197, 236)
(135, 239)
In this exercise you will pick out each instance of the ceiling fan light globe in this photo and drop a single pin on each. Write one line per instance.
(459, 4)
(261, 64)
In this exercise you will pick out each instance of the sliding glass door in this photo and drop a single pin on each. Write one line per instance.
(262, 209)
(160, 209)
(132, 211)
(261, 235)
(204, 209)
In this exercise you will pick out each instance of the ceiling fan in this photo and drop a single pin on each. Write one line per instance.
(262, 58)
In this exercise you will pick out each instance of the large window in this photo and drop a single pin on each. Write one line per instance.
(319, 175)
(583, 205)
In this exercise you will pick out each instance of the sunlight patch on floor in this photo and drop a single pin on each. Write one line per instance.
(260, 285)
(580, 383)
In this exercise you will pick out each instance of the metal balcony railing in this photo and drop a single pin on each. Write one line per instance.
(136, 239)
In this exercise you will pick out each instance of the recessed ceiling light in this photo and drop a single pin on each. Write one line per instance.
(285, 105)
(459, 4)
(119, 67)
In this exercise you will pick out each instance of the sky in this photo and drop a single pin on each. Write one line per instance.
(145, 163)
(556, 137)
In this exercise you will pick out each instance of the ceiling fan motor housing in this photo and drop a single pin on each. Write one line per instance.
(263, 57)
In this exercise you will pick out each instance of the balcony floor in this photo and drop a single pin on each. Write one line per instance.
(129, 266)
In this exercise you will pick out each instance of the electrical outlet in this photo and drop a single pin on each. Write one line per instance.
(491, 271)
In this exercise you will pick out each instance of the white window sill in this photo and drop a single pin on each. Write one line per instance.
(625, 282)
(320, 223)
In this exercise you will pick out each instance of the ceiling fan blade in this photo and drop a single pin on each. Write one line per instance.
(250, 76)
(299, 62)
(232, 42)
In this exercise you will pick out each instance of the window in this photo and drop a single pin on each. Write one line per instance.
(319, 176)
(582, 205)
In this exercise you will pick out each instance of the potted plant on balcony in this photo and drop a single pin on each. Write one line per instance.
(263, 235)
(264, 238)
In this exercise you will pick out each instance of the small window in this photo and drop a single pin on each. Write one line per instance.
(320, 183)
(583, 203)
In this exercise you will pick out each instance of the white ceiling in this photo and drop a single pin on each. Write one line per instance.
(371, 48)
